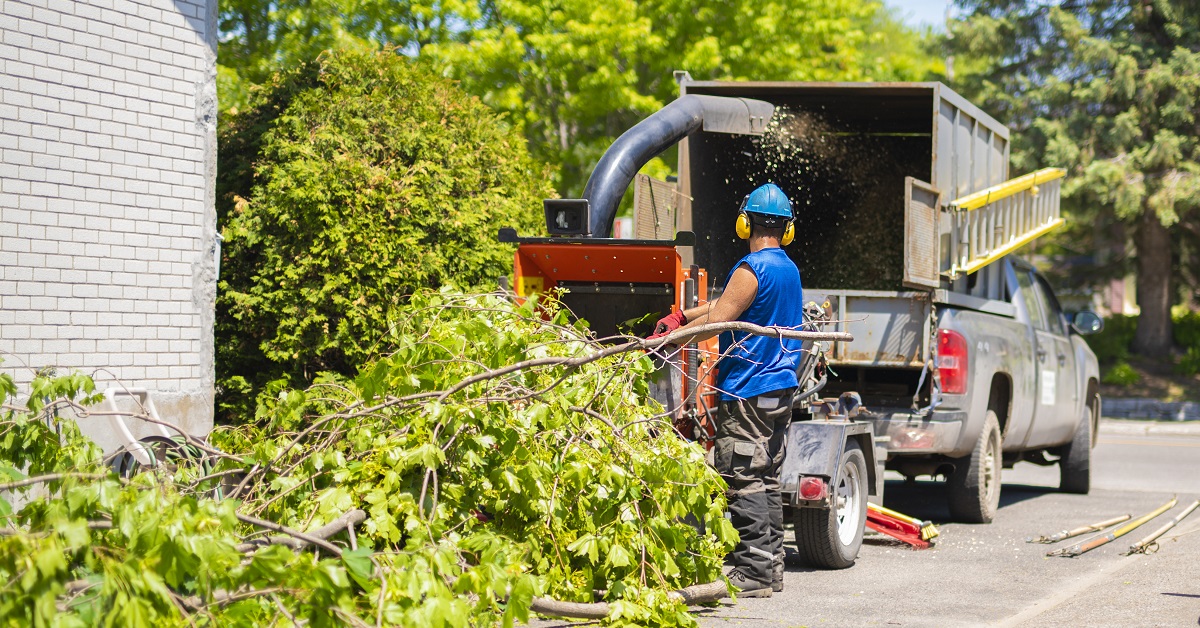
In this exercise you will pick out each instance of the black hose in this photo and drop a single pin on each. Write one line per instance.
(814, 390)
(660, 131)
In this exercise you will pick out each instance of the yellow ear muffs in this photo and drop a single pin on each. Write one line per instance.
(743, 226)
(789, 233)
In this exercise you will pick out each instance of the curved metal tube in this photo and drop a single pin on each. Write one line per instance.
(814, 390)
(661, 130)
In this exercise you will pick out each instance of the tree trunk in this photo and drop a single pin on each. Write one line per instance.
(1153, 241)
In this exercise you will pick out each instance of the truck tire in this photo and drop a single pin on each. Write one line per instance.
(1075, 465)
(829, 538)
(974, 485)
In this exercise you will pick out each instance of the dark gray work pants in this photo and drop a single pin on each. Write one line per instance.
(748, 454)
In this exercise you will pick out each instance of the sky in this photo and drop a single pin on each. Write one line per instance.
(921, 12)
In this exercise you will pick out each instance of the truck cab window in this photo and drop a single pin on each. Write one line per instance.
(1029, 295)
(988, 283)
(1050, 307)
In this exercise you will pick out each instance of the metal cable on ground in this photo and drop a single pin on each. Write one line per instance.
(1066, 534)
(1104, 539)
(1148, 544)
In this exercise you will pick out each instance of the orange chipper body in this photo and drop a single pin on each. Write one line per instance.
(616, 270)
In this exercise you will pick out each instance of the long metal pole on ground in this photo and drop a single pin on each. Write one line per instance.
(1104, 539)
(1066, 534)
(1144, 545)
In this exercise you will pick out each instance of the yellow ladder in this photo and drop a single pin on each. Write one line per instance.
(992, 223)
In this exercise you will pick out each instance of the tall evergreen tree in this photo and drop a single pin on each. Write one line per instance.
(1110, 90)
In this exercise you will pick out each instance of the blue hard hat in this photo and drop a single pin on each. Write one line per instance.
(768, 199)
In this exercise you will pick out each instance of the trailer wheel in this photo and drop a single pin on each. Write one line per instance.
(829, 538)
(1075, 465)
(974, 485)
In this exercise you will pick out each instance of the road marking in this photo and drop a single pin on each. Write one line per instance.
(1148, 443)
(1069, 593)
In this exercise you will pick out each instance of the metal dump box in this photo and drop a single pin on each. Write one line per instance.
(869, 167)
(842, 151)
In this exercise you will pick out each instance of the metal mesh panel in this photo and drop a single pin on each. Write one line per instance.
(921, 255)
(655, 205)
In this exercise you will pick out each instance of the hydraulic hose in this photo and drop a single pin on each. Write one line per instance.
(815, 389)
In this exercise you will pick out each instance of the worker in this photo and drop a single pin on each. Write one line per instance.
(756, 378)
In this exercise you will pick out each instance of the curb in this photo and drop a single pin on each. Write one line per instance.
(1146, 428)
(1150, 409)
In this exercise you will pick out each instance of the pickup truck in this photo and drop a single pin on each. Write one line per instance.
(1011, 380)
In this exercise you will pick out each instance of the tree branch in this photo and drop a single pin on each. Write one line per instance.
(695, 594)
(55, 477)
(300, 540)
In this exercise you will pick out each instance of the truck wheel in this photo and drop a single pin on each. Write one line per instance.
(1075, 467)
(829, 538)
(974, 485)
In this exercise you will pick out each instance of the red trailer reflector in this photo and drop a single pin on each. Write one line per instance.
(812, 487)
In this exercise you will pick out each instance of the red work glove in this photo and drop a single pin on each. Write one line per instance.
(668, 324)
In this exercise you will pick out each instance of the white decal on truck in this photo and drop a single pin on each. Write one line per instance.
(1049, 388)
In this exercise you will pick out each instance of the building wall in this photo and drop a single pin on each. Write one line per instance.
(107, 221)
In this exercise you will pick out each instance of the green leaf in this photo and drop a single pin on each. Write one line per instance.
(618, 556)
(519, 600)
(11, 473)
(359, 566)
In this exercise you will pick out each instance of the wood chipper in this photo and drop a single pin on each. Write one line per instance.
(830, 465)
(614, 284)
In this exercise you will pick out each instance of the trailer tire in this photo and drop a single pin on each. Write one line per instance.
(974, 485)
(1075, 465)
(829, 538)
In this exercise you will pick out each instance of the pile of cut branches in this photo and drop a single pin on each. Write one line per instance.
(490, 457)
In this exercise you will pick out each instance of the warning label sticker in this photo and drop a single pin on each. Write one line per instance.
(1049, 388)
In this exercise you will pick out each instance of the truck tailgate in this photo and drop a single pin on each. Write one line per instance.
(890, 328)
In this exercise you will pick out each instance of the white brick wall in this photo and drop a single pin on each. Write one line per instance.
(107, 227)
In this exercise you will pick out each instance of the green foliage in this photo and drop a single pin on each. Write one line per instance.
(1189, 362)
(1187, 335)
(1121, 374)
(574, 75)
(351, 182)
(1187, 329)
(1110, 90)
(1112, 343)
(499, 455)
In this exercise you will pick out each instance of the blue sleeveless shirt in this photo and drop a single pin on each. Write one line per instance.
(762, 364)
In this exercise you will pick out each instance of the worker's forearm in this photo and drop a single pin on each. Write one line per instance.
(703, 309)
(702, 317)
(687, 340)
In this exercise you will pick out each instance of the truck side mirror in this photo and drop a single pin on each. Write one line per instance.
(1087, 323)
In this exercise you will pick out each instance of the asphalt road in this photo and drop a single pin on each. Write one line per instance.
(989, 575)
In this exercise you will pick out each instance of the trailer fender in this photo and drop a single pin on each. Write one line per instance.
(816, 447)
